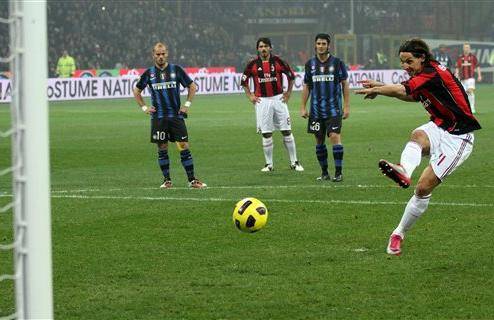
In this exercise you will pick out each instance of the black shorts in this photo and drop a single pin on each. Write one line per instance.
(168, 129)
(322, 127)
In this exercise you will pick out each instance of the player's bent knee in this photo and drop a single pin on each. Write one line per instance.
(421, 138)
(320, 139)
(162, 146)
(334, 137)
(267, 135)
(182, 146)
(426, 185)
(418, 135)
(286, 132)
(422, 191)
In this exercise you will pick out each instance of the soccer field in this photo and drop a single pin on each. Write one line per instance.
(124, 249)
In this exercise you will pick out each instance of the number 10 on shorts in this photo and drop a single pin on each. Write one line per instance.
(159, 135)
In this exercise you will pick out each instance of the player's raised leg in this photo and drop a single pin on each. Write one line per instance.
(411, 156)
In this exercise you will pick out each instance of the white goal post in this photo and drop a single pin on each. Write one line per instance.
(30, 161)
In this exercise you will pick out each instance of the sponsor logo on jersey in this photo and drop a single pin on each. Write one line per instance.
(164, 85)
(324, 77)
(268, 79)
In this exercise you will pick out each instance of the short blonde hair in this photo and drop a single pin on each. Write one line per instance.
(159, 45)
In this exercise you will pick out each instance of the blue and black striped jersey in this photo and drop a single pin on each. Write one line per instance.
(324, 82)
(164, 86)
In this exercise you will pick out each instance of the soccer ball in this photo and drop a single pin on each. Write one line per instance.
(250, 215)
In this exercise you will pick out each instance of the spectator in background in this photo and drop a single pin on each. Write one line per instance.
(466, 65)
(65, 66)
(382, 59)
(443, 57)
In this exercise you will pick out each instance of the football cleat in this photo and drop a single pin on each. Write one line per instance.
(338, 178)
(394, 245)
(296, 166)
(267, 168)
(167, 184)
(323, 177)
(395, 172)
(196, 184)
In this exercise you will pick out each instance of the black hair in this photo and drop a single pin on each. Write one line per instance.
(265, 40)
(418, 48)
(323, 36)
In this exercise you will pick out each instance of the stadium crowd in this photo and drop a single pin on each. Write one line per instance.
(117, 34)
(82, 28)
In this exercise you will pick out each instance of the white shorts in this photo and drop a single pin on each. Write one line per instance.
(468, 83)
(272, 114)
(448, 151)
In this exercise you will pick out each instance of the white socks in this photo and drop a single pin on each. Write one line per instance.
(267, 146)
(410, 157)
(416, 206)
(471, 99)
(289, 142)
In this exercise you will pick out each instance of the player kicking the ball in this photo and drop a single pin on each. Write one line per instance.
(448, 138)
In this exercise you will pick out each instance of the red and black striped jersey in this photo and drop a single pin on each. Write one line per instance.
(466, 65)
(443, 97)
(267, 75)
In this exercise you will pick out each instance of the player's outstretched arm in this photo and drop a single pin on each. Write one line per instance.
(389, 90)
(370, 83)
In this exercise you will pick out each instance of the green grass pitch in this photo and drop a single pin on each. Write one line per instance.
(124, 249)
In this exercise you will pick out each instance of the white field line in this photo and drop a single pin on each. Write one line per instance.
(320, 186)
(350, 202)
